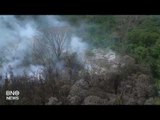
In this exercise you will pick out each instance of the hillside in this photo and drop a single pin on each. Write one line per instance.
(80, 59)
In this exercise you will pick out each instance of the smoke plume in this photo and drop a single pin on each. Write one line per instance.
(16, 39)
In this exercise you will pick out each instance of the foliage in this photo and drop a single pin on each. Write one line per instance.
(137, 36)
(128, 35)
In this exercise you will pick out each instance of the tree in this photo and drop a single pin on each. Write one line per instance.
(48, 47)
(50, 44)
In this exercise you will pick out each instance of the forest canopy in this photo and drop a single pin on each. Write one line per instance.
(81, 59)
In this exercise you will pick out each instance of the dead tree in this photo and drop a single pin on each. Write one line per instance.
(50, 43)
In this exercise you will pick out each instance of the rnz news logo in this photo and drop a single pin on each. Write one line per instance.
(12, 95)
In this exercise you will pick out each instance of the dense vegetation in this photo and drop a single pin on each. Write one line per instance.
(135, 35)
(135, 38)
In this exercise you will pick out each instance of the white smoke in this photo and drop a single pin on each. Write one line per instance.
(15, 40)
(17, 36)
(78, 46)
(53, 21)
